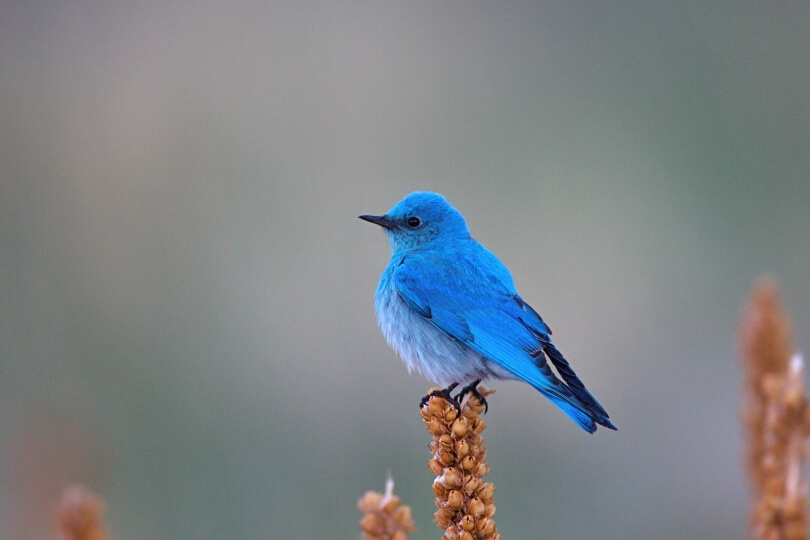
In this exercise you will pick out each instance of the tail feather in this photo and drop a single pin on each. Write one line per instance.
(572, 396)
(570, 393)
(575, 409)
(584, 420)
(571, 379)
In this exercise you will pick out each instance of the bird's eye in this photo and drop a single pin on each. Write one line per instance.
(413, 222)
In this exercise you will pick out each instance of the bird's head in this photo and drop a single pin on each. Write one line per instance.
(419, 219)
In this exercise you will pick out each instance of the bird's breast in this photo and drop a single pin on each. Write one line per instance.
(421, 345)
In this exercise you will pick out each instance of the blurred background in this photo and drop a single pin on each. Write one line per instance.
(186, 294)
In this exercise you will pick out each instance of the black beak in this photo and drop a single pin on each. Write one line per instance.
(382, 221)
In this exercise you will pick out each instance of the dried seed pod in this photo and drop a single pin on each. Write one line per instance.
(462, 448)
(436, 467)
(445, 441)
(471, 485)
(486, 492)
(455, 499)
(446, 457)
(468, 463)
(436, 427)
(453, 477)
(475, 507)
(459, 427)
(467, 523)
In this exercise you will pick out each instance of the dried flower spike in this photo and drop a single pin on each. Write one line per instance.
(775, 414)
(80, 515)
(384, 516)
(465, 504)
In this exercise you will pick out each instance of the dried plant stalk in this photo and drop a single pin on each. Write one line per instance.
(465, 504)
(384, 516)
(776, 418)
(80, 515)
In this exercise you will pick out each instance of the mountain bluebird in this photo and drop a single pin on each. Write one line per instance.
(449, 307)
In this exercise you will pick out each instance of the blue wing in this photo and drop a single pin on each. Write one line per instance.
(476, 304)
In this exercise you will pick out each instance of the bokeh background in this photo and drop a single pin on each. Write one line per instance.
(186, 295)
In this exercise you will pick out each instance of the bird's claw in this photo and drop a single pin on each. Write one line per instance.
(446, 394)
(472, 388)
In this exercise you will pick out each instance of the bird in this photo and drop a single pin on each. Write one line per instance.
(449, 308)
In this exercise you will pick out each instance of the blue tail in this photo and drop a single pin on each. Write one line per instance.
(570, 394)
(575, 412)
(582, 407)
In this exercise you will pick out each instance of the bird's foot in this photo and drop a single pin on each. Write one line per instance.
(472, 388)
(446, 394)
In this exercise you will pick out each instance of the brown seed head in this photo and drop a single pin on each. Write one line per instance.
(775, 417)
(80, 515)
(464, 502)
(384, 515)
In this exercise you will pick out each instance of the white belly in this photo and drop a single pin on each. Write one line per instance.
(423, 347)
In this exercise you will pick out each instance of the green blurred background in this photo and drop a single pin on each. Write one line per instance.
(186, 295)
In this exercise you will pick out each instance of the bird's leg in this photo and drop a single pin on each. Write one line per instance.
(472, 388)
(445, 393)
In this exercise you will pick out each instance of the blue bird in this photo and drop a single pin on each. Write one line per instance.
(449, 308)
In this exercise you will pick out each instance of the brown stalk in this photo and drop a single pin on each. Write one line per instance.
(465, 504)
(80, 515)
(776, 417)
